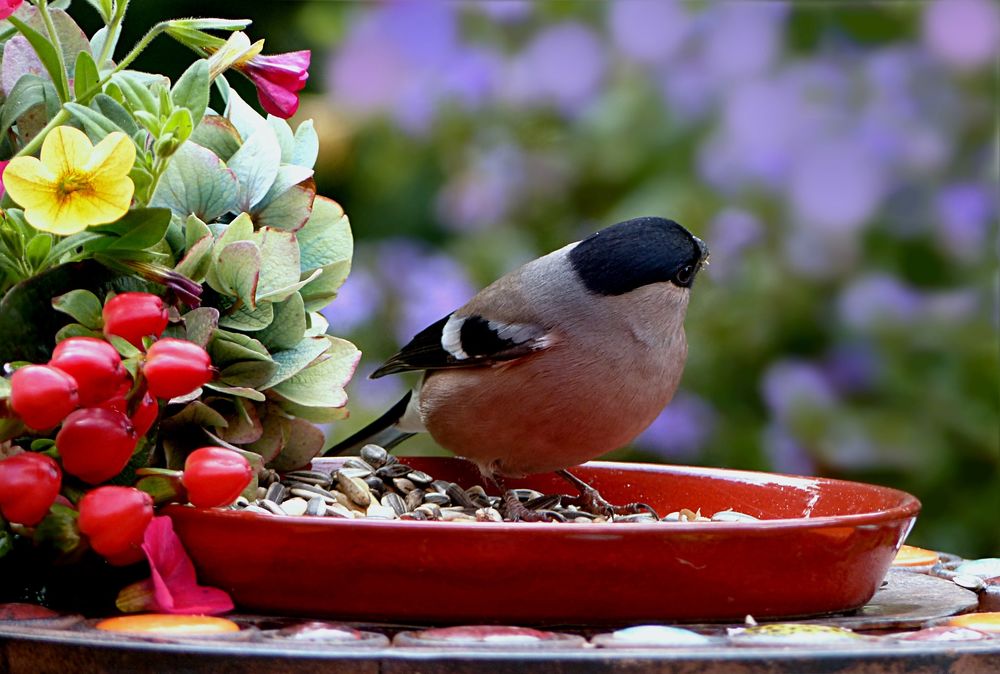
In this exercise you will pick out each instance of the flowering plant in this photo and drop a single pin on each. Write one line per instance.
(163, 260)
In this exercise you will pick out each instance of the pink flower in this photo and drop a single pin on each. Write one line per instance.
(8, 7)
(3, 166)
(173, 584)
(278, 78)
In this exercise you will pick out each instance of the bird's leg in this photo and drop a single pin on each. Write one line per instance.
(591, 500)
(513, 509)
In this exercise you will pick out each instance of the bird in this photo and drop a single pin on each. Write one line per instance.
(564, 359)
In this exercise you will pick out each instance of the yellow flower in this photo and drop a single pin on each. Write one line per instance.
(74, 185)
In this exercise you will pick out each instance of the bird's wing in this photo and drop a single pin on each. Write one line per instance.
(466, 341)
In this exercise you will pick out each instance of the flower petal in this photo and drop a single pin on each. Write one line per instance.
(175, 588)
(276, 99)
(55, 216)
(28, 182)
(112, 158)
(65, 149)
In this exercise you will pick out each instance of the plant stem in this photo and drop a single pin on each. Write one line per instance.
(113, 28)
(43, 9)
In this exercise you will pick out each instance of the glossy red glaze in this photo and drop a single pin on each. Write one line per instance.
(823, 546)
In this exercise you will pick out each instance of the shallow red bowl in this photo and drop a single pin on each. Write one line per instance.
(822, 546)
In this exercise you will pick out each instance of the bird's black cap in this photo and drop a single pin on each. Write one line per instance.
(638, 252)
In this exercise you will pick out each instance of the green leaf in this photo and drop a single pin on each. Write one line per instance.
(288, 176)
(237, 271)
(288, 327)
(194, 231)
(291, 361)
(197, 259)
(76, 330)
(138, 229)
(85, 76)
(283, 133)
(244, 422)
(326, 238)
(243, 116)
(179, 126)
(94, 123)
(204, 23)
(192, 89)
(218, 135)
(103, 8)
(247, 319)
(46, 53)
(38, 249)
(83, 306)
(30, 91)
(303, 443)
(4, 387)
(256, 167)
(114, 111)
(199, 414)
(200, 325)
(306, 145)
(196, 182)
(135, 88)
(248, 373)
(240, 391)
(98, 40)
(229, 347)
(322, 383)
(279, 264)
(319, 291)
(317, 415)
(240, 229)
(272, 440)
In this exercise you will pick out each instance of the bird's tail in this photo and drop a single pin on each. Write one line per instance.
(382, 431)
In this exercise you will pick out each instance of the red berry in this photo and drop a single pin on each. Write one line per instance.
(215, 476)
(115, 519)
(94, 364)
(42, 395)
(95, 443)
(144, 415)
(176, 367)
(29, 484)
(133, 316)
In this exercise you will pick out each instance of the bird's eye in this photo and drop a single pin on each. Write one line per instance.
(685, 275)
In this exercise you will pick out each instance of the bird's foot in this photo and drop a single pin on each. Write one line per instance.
(591, 501)
(516, 511)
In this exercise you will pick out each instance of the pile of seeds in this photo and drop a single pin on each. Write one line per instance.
(376, 485)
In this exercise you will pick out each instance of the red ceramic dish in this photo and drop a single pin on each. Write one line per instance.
(822, 546)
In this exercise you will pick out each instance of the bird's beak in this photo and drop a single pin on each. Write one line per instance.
(703, 250)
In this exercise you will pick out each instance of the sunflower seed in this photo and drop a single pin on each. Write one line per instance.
(458, 496)
(251, 508)
(419, 477)
(354, 472)
(380, 512)
(315, 477)
(489, 515)
(404, 485)
(732, 516)
(261, 492)
(355, 489)
(394, 501)
(392, 471)
(337, 510)
(434, 498)
(374, 455)
(309, 495)
(294, 506)
(271, 506)
(432, 511)
(316, 506)
(414, 499)
(526, 494)
(545, 502)
(276, 493)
